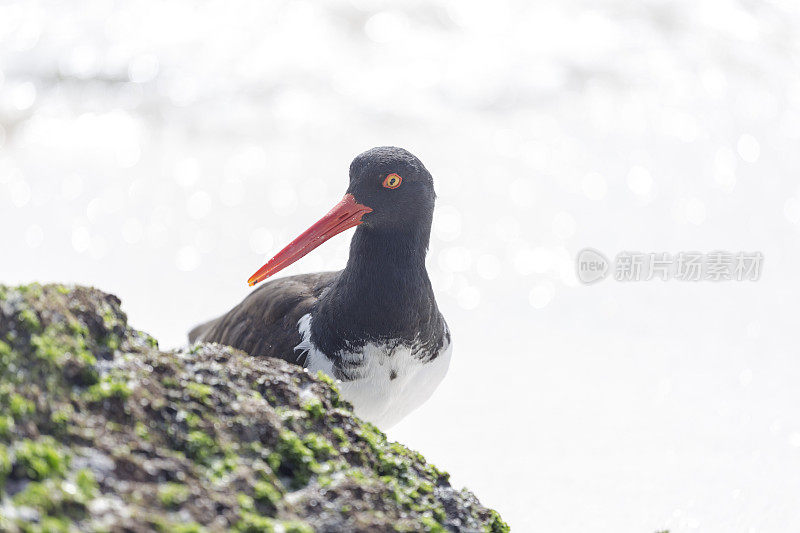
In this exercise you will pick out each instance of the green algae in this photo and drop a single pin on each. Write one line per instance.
(200, 446)
(293, 458)
(6, 426)
(314, 408)
(199, 392)
(267, 495)
(59, 498)
(141, 430)
(254, 523)
(5, 351)
(16, 404)
(320, 447)
(41, 459)
(29, 321)
(173, 495)
(496, 523)
(5, 465)
(164, 525)
(109, 388)
(61, 416)
(341, 436)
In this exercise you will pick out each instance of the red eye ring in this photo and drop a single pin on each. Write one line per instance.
(392, 181)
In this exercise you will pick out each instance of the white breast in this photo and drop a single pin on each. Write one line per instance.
(390, 381)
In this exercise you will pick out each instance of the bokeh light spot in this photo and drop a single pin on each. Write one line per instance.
(488, 267)
(199, 205)
(447, 222)
(231, 192)
(594, 186)
(529, 261)
(791, 210)
(469, 297)
(563, 225)
(695, 211)
(522, 192)
(283, 198)
(261, 240)
(20, 193)
(34, 236)
(132, 230)
(748, 147)
(187, 258)
(81, 239)
(541, 295)
(639, 181)
(455, 259)
(186, 171)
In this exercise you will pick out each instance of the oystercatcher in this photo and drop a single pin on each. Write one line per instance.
(375, 325)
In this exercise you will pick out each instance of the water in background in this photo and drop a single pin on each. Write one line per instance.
(163, 151)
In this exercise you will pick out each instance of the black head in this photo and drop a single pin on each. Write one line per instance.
(395, 185)
(390, 196)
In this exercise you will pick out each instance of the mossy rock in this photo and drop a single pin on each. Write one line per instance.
(101, 431)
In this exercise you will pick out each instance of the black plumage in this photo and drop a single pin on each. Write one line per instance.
(383, 294)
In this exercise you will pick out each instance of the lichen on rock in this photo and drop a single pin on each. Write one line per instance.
(102, 431)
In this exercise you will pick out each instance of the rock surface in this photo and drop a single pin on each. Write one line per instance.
(101, 431)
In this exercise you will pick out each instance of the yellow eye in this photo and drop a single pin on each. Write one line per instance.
(392, 181)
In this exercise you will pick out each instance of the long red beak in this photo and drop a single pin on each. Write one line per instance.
(344, 215)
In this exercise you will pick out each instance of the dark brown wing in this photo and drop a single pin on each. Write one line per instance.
(265, 323)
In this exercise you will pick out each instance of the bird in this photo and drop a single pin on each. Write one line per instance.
(374, 326)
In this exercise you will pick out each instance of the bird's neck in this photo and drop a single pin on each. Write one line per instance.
(386, 269)
(376, 253)
(384, 290)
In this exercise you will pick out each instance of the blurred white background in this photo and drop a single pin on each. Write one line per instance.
(164, 150)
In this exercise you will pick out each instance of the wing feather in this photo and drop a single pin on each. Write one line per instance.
(265, 322)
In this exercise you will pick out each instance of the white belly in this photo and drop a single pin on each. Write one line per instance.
(390, 382)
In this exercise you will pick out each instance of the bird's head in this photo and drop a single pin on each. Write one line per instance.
(390, 190)
(395, 185)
